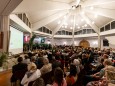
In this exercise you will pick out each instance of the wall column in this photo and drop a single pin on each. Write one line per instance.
(4, 29)
(99, 41)
(52, 41)
(73, 39)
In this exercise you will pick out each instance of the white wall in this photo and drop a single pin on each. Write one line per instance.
(92, 40)
(58, 41)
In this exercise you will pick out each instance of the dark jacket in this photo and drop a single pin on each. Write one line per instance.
(18, 71)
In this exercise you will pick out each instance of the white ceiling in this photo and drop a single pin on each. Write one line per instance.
(49, 12)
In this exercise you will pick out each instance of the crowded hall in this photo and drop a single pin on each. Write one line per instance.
(57, 43)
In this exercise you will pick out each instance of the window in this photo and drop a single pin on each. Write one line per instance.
(47, 31)
(67, 33)
(70, 33)
(50, 32)
(57, 33)
(43, 29)
(84, 31)
(107, 27)
(24, 18)
(63, 32)
(102, 29)
(20, 16)
(40, 29)
(29, 24)
(113, 25)
(75, 33)
(80, 32)
(93, 31)
(88, 31)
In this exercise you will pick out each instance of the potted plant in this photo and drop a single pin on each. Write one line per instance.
(31, 41)
(3, 57)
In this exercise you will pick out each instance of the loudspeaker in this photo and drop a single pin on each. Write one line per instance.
(105, 42)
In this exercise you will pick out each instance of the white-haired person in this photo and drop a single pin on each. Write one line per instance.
(47, 67)
(31, 75)
(76, 62)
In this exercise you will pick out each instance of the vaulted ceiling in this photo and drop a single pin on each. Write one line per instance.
(79, 13)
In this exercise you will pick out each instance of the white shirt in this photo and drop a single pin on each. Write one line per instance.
(25, 81)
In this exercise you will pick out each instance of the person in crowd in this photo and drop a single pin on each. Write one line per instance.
(26, 60)
(72, 77)
(31, 75)
(33, 60)
(105, 56)
(59, 78)
(18, 70)
(76, 62)
(39, 82)
(47, 67)
(97, 76)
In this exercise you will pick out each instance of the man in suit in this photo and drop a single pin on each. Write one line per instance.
(18, 70)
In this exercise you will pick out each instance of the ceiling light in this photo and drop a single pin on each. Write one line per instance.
(65, 26)
(65, 17)
(78, 27)
(64, 43)
(85, 25)
(77, 24)
(71, 27)
(59, 22)
(65, 23)
(93, 22)
(91, 8)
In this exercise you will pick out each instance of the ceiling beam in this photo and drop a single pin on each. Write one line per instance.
(102, 11)
(96, 29)
(48, 20)
(9, 6)
(59, 26)
(40, 5)
(76, 2)
(95, 2)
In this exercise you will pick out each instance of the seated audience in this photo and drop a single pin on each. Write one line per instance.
(47, 67)
(59, 78)
(31, 75)
(39, 82)
(72, 77)
(76, 62)
(18, 70)
(97, 76)
(26, 60)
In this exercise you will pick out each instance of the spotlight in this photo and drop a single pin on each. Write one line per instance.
(65, 26)
(78, 27)
(85, 25)
(71, 28)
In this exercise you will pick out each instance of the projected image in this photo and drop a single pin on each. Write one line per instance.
(16, 39)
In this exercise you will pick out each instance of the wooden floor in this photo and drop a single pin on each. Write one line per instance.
(5, 78)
